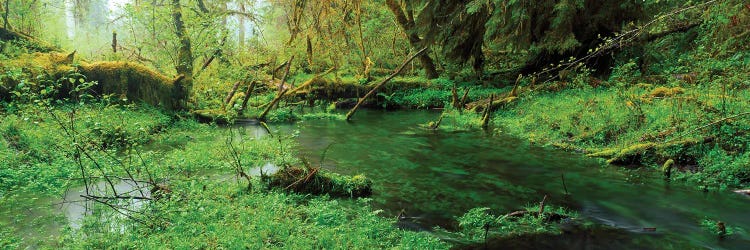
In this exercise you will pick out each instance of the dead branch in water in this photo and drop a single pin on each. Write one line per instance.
(383, 82)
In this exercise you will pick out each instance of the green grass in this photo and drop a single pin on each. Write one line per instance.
(611, 118)
(478, 221)
(202, 212)
(226, 216)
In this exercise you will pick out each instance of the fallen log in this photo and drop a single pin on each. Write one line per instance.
(309, 82)
(136, 82)
(317, 181)
(30, 42)
(636, 154)
(128, 80)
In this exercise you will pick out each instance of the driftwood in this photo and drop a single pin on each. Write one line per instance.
(479, 105)
(635, 154)
(317, 181)
(521, 213)
(463, 98)
(383, 82)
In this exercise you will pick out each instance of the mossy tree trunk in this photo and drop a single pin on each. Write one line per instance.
(406, 21)
(184, 53)
(6, 12)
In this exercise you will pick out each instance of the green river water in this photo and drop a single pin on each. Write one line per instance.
(437, 176)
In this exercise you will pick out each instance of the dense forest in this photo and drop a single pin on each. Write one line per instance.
(351, 124)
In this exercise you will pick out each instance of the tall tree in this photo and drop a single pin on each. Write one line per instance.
(405, 19)
(184, 65)
(6, 12)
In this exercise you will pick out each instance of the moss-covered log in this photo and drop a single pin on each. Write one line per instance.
(136, 82)
(317, 182)
(126, 80)
(639, 154)
(332, 89)
(26, 41)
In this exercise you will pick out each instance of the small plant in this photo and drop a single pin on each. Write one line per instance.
(718, 228)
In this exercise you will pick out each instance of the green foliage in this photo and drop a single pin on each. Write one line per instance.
(208, 211)
(715, 227)
(478, 221)
(8, 240)
(259, 220)
(596, 119)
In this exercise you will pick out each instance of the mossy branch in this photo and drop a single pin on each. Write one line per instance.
(708, 125)
(310, 81)
(383, 82)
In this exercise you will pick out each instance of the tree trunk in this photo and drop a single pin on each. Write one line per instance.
(242, 27)
(6, 24)
(365, 58)
(184, 54)
(410, 30)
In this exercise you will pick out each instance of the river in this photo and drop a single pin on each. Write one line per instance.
(435, 176)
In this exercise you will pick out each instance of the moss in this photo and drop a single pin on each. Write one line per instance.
(319, 182)
(28, 42)
(642, 153)
(218, 116)
(136, 82)
(661, 92)
(631, 154)
(667, 168)
(607, 153)
(236, 99)
(123, 79)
